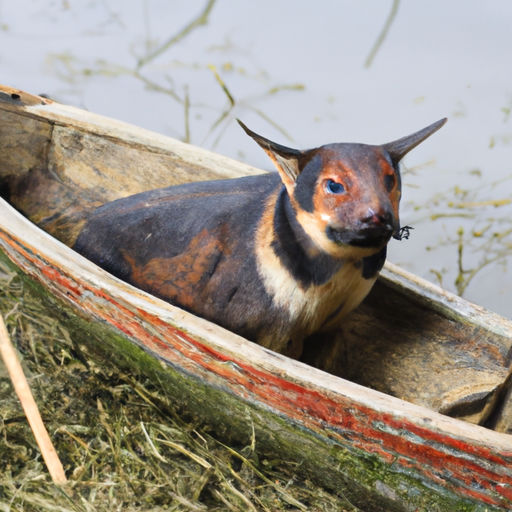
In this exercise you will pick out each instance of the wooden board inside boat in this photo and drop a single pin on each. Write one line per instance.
(57, 164)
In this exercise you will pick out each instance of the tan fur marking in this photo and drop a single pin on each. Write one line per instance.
(315, 228)
(307, 309)
(395, 194)
(287, 169)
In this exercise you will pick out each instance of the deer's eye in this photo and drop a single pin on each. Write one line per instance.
(389, 182)
(334, 188)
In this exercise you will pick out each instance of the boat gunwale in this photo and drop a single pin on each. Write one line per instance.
(419, 289)
(462, 444)
(233, 347)
(443, 301)
(68, 116)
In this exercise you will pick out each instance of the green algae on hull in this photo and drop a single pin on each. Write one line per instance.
(364, 479)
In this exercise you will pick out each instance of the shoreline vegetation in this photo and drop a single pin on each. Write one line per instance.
(122, 445)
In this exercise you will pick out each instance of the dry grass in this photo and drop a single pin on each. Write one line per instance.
(121, 444)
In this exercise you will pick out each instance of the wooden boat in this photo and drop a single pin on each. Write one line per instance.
(411, 351)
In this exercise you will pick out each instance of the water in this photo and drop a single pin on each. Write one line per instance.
(438, 59)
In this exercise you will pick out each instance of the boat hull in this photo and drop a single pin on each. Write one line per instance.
(381, 452)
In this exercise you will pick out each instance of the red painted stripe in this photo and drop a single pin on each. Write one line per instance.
(320, 412)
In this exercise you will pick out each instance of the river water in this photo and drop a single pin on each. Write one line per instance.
(298, 73)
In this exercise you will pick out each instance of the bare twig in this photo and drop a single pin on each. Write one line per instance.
(187, 116)
(492, 202)
(383, 34)
(30, 407)
(222, 84)
(273, 123)
(202, 19)
(150, 52)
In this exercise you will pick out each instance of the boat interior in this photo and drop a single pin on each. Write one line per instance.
(408, 339)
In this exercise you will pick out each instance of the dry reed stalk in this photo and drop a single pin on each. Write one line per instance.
(29, 405)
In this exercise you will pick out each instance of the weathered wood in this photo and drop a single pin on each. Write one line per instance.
(394, 345)
(73, 161)
(502, 420)
(58, 164)
(385, 453)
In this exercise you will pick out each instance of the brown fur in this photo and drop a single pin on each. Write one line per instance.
(274, 259)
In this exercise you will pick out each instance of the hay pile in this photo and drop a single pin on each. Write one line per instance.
(122, 445)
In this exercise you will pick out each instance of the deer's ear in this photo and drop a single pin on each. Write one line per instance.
(286, 160)
(399, 148)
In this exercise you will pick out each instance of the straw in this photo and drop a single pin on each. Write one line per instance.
(29, 406)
